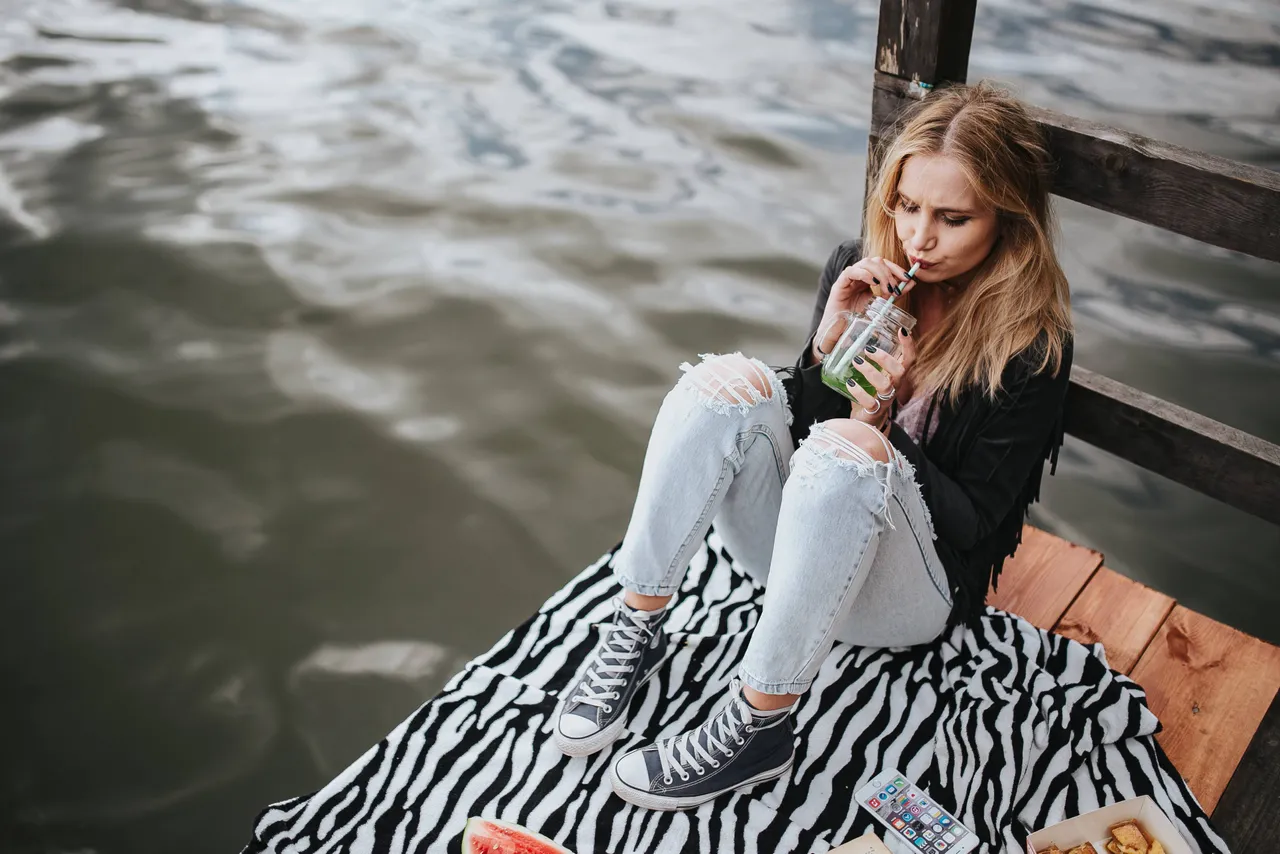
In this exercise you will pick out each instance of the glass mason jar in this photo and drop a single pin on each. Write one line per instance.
(838, 368)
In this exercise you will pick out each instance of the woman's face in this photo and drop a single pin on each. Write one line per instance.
(940, 220)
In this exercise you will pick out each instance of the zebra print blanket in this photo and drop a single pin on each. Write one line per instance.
(1009, 727)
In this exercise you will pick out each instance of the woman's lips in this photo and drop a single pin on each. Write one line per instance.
(924, 265)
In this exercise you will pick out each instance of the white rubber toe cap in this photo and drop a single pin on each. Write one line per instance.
(631, 769)
(576, 726)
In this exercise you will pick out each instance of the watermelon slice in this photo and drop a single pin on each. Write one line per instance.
(491, 836)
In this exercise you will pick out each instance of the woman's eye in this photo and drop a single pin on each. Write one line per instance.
(908, 206)
(955, 223)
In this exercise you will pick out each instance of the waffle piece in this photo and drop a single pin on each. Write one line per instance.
(1129, 838)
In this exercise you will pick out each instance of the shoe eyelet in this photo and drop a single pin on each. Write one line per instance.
(728, 753)
(741, 741)
(750, 728)
(608, 709)
(667, 780)
(684, 777)
(715, 764)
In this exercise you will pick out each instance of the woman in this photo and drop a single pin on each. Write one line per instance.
(886, 523)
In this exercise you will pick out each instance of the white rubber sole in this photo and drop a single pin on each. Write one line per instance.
(602, 739)
(659, 802)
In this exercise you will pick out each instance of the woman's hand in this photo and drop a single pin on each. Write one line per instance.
(873, 409)
(876, 275)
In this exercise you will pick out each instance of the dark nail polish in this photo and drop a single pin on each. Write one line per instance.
(906, 331)
(870, 349)
(857, 360)
(897, 289)
(874, 279)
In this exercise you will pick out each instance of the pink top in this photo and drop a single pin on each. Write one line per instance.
(911, 416)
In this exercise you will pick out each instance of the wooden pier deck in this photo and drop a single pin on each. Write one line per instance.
(1213, 688)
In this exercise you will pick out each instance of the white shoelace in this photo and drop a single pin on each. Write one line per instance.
(679, 753)
(597, 687)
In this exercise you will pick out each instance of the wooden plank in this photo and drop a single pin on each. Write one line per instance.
(1210, 685)
(1219, 201)
(925, 40)
(1206, 455)
(1117, 612)
(890, 98)
(1203, 196)
(1248, 815)
(1043, 577)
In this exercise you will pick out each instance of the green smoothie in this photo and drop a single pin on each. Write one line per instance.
(852, 375)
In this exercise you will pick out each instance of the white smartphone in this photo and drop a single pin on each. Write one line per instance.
(912, 816)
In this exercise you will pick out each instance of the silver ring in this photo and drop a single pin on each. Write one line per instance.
(889, 396)
(872, 411)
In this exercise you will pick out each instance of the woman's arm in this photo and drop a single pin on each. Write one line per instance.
(968, 506)
(844, 255)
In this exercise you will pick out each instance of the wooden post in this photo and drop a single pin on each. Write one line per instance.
(921, 44)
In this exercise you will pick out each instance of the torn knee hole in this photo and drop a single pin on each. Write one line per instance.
(739, 382)
(833, 444)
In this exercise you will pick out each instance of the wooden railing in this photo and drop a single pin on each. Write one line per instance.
(924, 44)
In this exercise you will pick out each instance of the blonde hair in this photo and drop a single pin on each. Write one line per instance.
(1018, 295)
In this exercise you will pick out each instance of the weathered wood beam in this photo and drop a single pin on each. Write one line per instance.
(925, 40)
(1206, 455)
(1219, 201)
(1203, 196)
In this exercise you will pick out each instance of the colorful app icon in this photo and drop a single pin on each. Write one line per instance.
(944, 820)
(940, 845)
(935, 812)
(912, 795)
(928, 834)
(909, 833)
(884, 796)
(920, 843)
(891, 789)
(923, 802)
(949, 837)
(874, 803)
(899, 782)
(915, 810)
(898, 824)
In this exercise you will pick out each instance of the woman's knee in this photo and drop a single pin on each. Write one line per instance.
(732, 379)
(852, 439)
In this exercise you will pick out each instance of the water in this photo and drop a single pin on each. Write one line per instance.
(332, 333)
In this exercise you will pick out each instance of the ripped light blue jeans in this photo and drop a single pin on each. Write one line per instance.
(841, 541)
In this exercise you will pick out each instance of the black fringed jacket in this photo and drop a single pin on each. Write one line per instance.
(979, 471)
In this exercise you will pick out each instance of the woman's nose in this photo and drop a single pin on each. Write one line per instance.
(922, 240)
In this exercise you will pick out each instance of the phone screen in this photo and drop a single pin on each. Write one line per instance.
(910, 813)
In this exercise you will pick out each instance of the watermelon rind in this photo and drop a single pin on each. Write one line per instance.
(483, 834)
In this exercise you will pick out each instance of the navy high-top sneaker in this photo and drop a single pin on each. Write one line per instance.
(738, 747)
(592, 713)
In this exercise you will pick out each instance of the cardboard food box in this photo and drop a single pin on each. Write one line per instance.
(868, 843)
(1095, 827)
